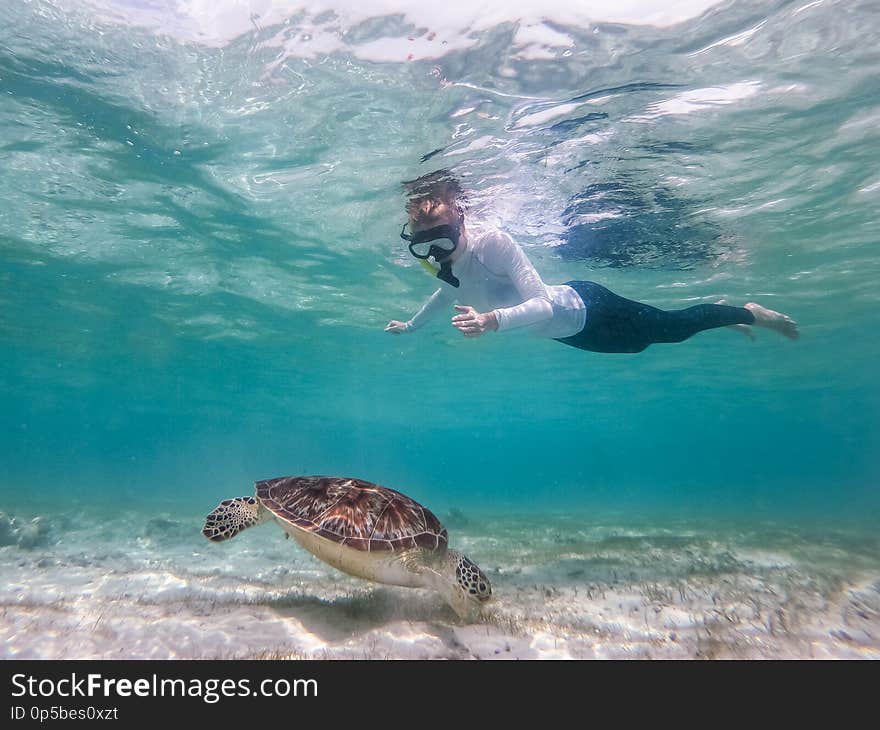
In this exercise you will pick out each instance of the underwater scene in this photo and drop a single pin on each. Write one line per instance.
(200, 252)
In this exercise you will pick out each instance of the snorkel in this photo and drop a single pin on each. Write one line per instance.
(438, 243)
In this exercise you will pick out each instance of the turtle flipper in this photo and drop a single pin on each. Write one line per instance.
(232, 516)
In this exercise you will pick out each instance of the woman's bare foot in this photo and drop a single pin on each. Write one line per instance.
(782, 323)
(743, 329)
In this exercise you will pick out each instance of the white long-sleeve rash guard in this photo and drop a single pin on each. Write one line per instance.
(496, 275)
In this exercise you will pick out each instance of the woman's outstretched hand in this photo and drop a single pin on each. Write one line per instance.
(473, 324)
(395, 327)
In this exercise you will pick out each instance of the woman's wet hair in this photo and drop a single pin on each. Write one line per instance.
(440, 185)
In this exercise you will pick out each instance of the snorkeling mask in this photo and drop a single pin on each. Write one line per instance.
(438, 242)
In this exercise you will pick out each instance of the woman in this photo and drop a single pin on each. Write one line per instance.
(497, 288)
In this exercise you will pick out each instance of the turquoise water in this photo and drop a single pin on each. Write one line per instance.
(199, 250)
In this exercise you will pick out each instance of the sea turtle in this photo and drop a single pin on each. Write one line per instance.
(360, 528)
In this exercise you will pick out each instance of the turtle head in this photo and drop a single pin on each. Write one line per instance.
(464, 586)
(232, 516)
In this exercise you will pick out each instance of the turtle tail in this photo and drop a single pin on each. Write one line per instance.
(232, 516)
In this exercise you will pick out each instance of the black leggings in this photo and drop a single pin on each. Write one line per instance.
(615, 324)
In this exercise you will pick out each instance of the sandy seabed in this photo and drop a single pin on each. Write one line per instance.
(136, 587)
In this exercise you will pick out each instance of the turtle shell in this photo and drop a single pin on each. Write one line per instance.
(352, 512)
